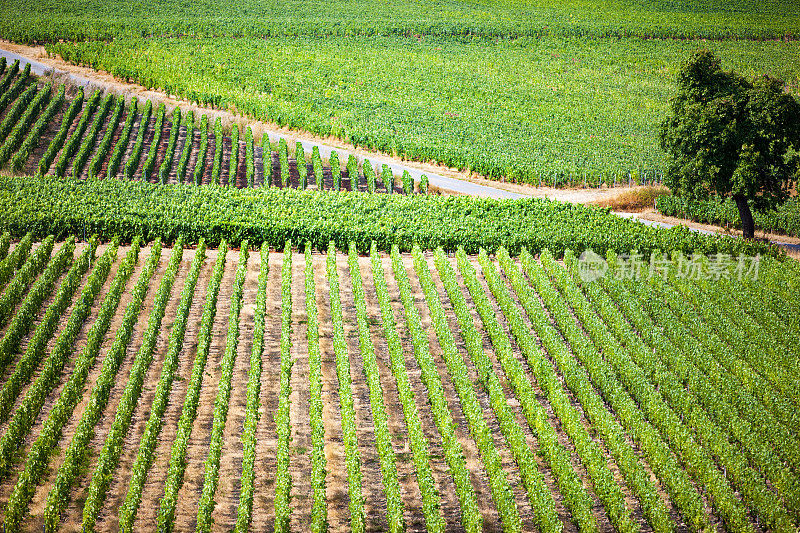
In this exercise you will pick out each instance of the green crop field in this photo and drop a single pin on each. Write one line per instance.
(191, 389)
(527, 91)
(203, 330)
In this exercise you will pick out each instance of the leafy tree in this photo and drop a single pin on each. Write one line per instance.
(729, 136)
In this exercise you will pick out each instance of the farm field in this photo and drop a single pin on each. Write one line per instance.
(63, 131)
(218, 389)
(531, 110)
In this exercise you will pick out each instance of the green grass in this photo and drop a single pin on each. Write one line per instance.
(525, 109)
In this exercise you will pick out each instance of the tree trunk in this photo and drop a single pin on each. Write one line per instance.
(748, 226)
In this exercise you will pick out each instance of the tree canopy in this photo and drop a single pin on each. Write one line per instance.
(729, 136)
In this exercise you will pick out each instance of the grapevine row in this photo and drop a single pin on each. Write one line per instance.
(217, 164)
(166, 165)
(35, 351)
(575, 495)
(41, 451)
(8, 95)
(245, 512)
(112, 445)
(34, 135)
(606, 487)
(202, 152)
(152, 153)
(207, 503)
(431, 506)
(177, 461)
(122, 143)
(470, 405)
(233, 159)
(105, 142)
(283, 480)
(74, 141)
(453, 452)
(346, 408)
(78, 448)
(696, 459)
(539, 495)
(183, 162)
(24, 317)
(136, 152)
(383, 439)
(87, 144)
(15, 259)
(58, 140)
(145, 454)
(319, 504)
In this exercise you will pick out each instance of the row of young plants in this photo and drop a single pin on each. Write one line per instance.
(147, 445)
(133, 208)
(78, 449)
(105, 143)
(431, 499)
(33, 137)
(222, 401)
(40, 290)
(346, 405)
(319, 503)
(383, 438)
(40, 453)
(699, 394)
(177, 461)
(87, 143)
(23, 279)
(283, 479)
(251, 416)
(541, 500)
(37, 344)
(109, 455)
(75, 141)
(575, 494)
(650, 418)
(471, 518)
(166, 165)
